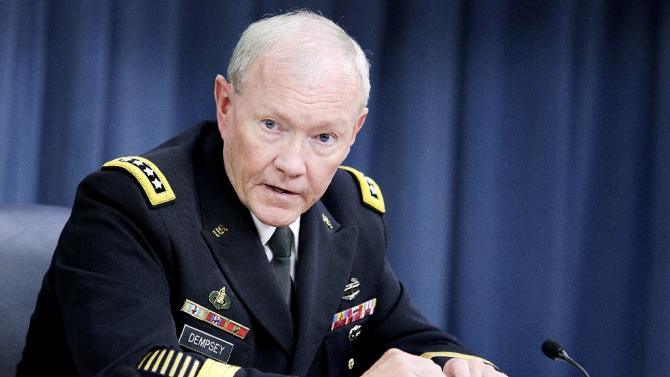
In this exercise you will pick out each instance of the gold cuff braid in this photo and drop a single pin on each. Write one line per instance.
(213, 368)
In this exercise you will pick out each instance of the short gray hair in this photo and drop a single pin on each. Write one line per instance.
(265, 33)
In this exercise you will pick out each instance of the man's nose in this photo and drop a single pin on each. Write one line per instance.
(291, 160)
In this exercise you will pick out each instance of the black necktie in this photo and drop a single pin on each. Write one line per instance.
(281, 243)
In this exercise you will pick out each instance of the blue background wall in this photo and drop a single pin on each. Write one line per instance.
(522, 147)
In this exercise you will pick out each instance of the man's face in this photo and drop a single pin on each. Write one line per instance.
(286, 132)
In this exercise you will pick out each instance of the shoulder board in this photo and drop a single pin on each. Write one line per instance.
(153, 182)
(371, 194)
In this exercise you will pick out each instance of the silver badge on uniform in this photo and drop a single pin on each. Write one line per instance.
(352, 290)
(354, 333)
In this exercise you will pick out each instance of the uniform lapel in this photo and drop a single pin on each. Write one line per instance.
(233, 240)
(325, 257)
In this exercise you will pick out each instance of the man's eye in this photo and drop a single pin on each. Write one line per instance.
(325, 138)
(269, 124)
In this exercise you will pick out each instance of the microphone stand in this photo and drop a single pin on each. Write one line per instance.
(564, 355)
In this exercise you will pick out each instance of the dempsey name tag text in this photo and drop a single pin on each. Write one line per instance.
(205, 344)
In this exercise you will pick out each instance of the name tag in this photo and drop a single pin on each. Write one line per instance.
(205, 344)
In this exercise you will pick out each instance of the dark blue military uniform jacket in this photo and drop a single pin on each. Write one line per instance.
(135, 268)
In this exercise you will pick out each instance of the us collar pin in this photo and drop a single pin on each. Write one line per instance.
(352, 289)
(220, 299)
(219, 231)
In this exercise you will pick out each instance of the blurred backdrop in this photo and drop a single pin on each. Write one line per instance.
(523, 148)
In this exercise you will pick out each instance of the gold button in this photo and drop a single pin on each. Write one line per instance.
(351, 363)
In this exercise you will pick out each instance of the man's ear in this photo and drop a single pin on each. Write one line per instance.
(223, 90)
(359, 124)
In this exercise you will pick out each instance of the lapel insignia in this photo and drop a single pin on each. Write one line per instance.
(353, 314)
(219, 231)
(220, 299)
(352, 290)
(326, 221)
(214, 319)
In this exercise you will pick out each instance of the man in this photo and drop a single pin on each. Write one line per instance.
(267, 260)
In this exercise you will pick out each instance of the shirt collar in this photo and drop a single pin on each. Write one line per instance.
(266, 231)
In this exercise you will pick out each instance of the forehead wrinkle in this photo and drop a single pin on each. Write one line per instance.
(310, 100)
(308, 66)
(313, 95)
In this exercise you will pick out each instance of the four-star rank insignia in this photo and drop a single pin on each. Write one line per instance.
(153, 182)
(220, 299)
(371, 194)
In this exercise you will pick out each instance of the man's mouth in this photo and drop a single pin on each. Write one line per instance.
(280, 190)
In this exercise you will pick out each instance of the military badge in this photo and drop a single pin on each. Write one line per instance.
(220, 299)
(352, 290)
(354, 333)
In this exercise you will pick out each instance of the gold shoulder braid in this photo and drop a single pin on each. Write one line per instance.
(371, 194)
(153, 182)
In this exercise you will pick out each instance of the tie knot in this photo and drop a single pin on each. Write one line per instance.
(281, 242)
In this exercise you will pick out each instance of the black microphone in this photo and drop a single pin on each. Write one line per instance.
(554, 351)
